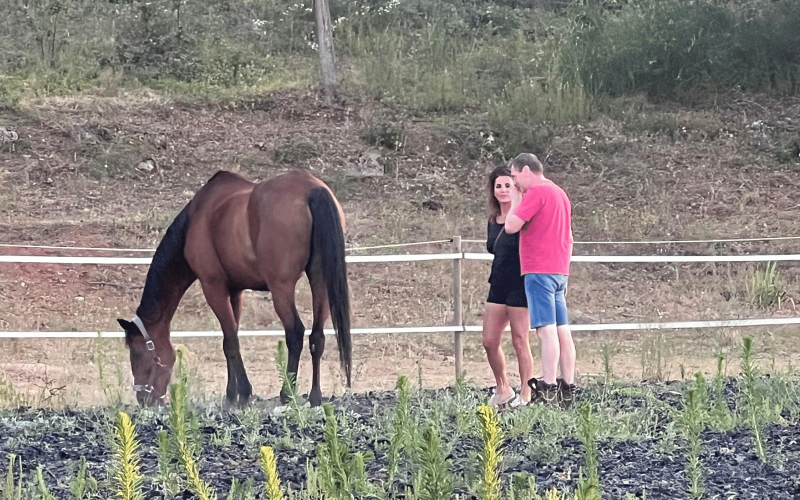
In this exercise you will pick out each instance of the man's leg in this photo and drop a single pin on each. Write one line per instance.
(567, 354)
(540, 290)
(566, 344)
(551, 352)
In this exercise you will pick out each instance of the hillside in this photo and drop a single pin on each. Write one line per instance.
(111, 165)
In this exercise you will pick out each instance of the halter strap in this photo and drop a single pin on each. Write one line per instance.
(148, 342)
(148, 388)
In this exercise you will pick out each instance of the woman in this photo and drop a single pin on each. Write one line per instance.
(506, 302)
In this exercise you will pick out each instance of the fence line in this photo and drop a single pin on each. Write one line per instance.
(661, 258)
(458, 328)
(46, 259)
(671, 242)
(415, 243)
(579, 327)
(151, 250)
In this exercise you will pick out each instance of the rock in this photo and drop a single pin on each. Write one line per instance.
(147, 165)
(8, 135)
(367, 164)
(432, 205)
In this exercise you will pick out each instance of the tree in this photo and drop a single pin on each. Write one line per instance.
(327, 58)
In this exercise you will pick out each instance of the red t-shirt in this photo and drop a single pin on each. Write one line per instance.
(545, 242)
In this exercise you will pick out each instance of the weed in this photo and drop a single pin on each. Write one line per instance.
(434, 480)
(127, 478)
(242, 491)
(112, 391)
(403, 437)
(589, 486)
(83, 484)
(269, 467)
(10, 397)
(167, 475)
(764, 289)
(380, 131)
(692, 424)
(340, 473)
(185, 433)
(13, 488)
(754, 404)
(289, 385)
(608, 365)
(296, 153)
(720, 417)
(653, 358)
(41, 486)
(490, 457)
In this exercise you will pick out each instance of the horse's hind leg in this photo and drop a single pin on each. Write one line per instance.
(316, 345)
(283, 301)
(227, 307)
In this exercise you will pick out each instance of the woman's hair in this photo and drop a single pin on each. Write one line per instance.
(494, 205)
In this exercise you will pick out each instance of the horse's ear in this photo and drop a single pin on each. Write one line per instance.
(130, 329)
(125, 324)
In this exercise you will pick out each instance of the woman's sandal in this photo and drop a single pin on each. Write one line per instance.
(519, 402)
(497, 403)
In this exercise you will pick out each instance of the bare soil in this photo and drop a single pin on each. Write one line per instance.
(80, 175)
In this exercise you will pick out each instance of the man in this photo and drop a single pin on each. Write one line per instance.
(543, 216)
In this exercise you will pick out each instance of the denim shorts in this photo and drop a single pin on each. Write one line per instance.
(546, 302)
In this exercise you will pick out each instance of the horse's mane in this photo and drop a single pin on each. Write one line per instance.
(171, 246)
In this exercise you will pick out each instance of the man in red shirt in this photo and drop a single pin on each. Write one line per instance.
(543, 216)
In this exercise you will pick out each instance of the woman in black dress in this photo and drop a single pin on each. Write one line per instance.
(506, 302)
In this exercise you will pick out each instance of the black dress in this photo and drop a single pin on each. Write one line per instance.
(507, 286)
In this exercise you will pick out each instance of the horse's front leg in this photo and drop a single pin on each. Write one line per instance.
(226, 308)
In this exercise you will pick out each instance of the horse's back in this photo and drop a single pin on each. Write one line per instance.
(248, 231)
(282, 197)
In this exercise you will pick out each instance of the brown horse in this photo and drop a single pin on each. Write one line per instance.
(236, 235)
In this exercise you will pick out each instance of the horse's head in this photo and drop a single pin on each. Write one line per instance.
(151, 362)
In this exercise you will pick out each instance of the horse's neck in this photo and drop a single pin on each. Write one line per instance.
(170, 292)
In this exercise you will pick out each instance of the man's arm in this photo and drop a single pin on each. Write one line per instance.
(513, 222)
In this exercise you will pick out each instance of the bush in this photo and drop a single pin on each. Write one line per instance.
(668, 47)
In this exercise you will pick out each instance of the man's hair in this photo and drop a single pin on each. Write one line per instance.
(528, 159)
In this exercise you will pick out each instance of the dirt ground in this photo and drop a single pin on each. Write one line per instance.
(112, 172)
(77, 372)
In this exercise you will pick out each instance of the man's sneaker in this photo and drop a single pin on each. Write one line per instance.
(542, 392)
(566, 393)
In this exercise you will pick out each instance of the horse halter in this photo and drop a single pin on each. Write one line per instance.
(148, 387)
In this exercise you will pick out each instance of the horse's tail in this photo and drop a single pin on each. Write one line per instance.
(327, 244)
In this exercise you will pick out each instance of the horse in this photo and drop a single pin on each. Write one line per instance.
(237, 235)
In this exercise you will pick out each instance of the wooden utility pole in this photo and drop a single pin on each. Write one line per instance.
(327, 58)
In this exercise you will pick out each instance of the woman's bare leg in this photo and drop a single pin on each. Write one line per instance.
(495, 319)
(520, 337)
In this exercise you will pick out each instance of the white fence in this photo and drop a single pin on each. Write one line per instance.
(457, 257)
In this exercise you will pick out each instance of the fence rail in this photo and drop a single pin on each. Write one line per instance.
(457, 256)
(579, 327)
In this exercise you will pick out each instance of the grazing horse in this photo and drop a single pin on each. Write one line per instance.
(236, 235)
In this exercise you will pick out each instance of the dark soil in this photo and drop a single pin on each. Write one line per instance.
(57, 439)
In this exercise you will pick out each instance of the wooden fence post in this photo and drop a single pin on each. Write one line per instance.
(458, 319)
